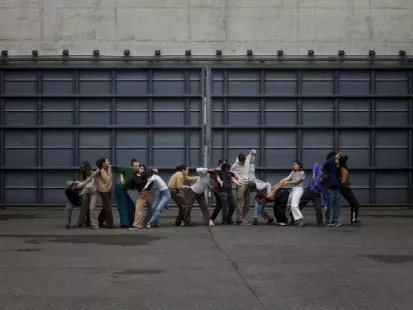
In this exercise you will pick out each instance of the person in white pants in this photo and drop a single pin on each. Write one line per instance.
(296, 178)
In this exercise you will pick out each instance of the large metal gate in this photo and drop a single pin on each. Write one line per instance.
(306, 112)
(52, 118)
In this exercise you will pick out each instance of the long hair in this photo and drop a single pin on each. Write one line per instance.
(300, 165)
(87, 169)
(342, 161)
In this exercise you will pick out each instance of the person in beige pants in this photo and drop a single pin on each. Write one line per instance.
(241, 168)
(144, 198)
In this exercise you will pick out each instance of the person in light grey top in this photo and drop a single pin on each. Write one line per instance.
(296, 178)
(256, 185)
(197, 192)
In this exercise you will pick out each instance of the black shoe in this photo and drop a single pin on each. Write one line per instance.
(124, 226)
(237, 222)
(68, 226)
(189, 223)
(230, 222)
(320, 225)
(87, 223)
(270, 221)
(178, 223)
(101, 225)
(356, 224)
(255, 222)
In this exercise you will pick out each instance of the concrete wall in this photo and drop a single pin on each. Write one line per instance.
(206, 25)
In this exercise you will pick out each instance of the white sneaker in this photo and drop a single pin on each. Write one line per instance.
(211, 223)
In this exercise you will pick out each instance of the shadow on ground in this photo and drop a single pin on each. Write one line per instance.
(121, 240)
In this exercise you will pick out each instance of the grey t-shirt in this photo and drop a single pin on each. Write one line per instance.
(297, 175)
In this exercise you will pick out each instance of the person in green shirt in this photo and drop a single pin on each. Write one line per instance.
(125, 204)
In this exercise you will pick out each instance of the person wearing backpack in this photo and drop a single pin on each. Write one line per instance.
(331, 181)
(89, 195)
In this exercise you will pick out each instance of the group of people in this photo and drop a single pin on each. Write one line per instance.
(324, 190)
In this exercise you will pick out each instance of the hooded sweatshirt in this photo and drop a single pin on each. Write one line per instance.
(315, 184)
(330, 167)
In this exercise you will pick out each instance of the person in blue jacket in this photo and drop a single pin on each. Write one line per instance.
(314, 191)
(331, 181)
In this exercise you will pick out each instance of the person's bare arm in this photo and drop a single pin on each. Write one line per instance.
(180, 182)
(121, 179)
(235, 181)
(273, 191)
(90, 178)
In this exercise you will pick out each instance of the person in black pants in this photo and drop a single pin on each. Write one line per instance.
(215, 189)
(280, 207)
(225, 179)
(347, 192)
(313, 193)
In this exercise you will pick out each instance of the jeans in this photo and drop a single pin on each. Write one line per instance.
(125, 205)
(259, 210)
(334, 205)
(159, 204)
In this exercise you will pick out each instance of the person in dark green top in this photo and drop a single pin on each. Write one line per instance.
(125, 204)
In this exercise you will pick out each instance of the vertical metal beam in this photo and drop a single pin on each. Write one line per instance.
(150, 118)
(206, 129)
(113, 117)
(262, 118)
(410, 155)
(186, 118)
(76, 122)
(373, 137)
(336, 92)
(299, 118)
(2, 143)
(226, 115)
(39, 137)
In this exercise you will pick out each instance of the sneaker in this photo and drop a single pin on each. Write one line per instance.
(211, 223)
(320, 225)
(328, 224)
(270, 221)
(68, 227)
(148, 226)
(124, 226)
(336, 224)
(178, 223)
(299, 223)
(134, 228)
(245, 223)
(255, 222)
(281, 224)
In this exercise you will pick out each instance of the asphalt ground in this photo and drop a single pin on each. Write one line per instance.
(44, 266)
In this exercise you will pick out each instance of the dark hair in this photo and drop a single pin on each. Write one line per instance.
(342, 161)
(221, 161)
(87, 169)
(142, 166)
(252, 186)
(241, 157)
(331, 154)
(300, 164)
(100, 162)
(181, 167)
(225, 167)
(148, 173)
(133, 160)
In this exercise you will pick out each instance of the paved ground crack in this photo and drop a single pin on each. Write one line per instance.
(236, 268)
